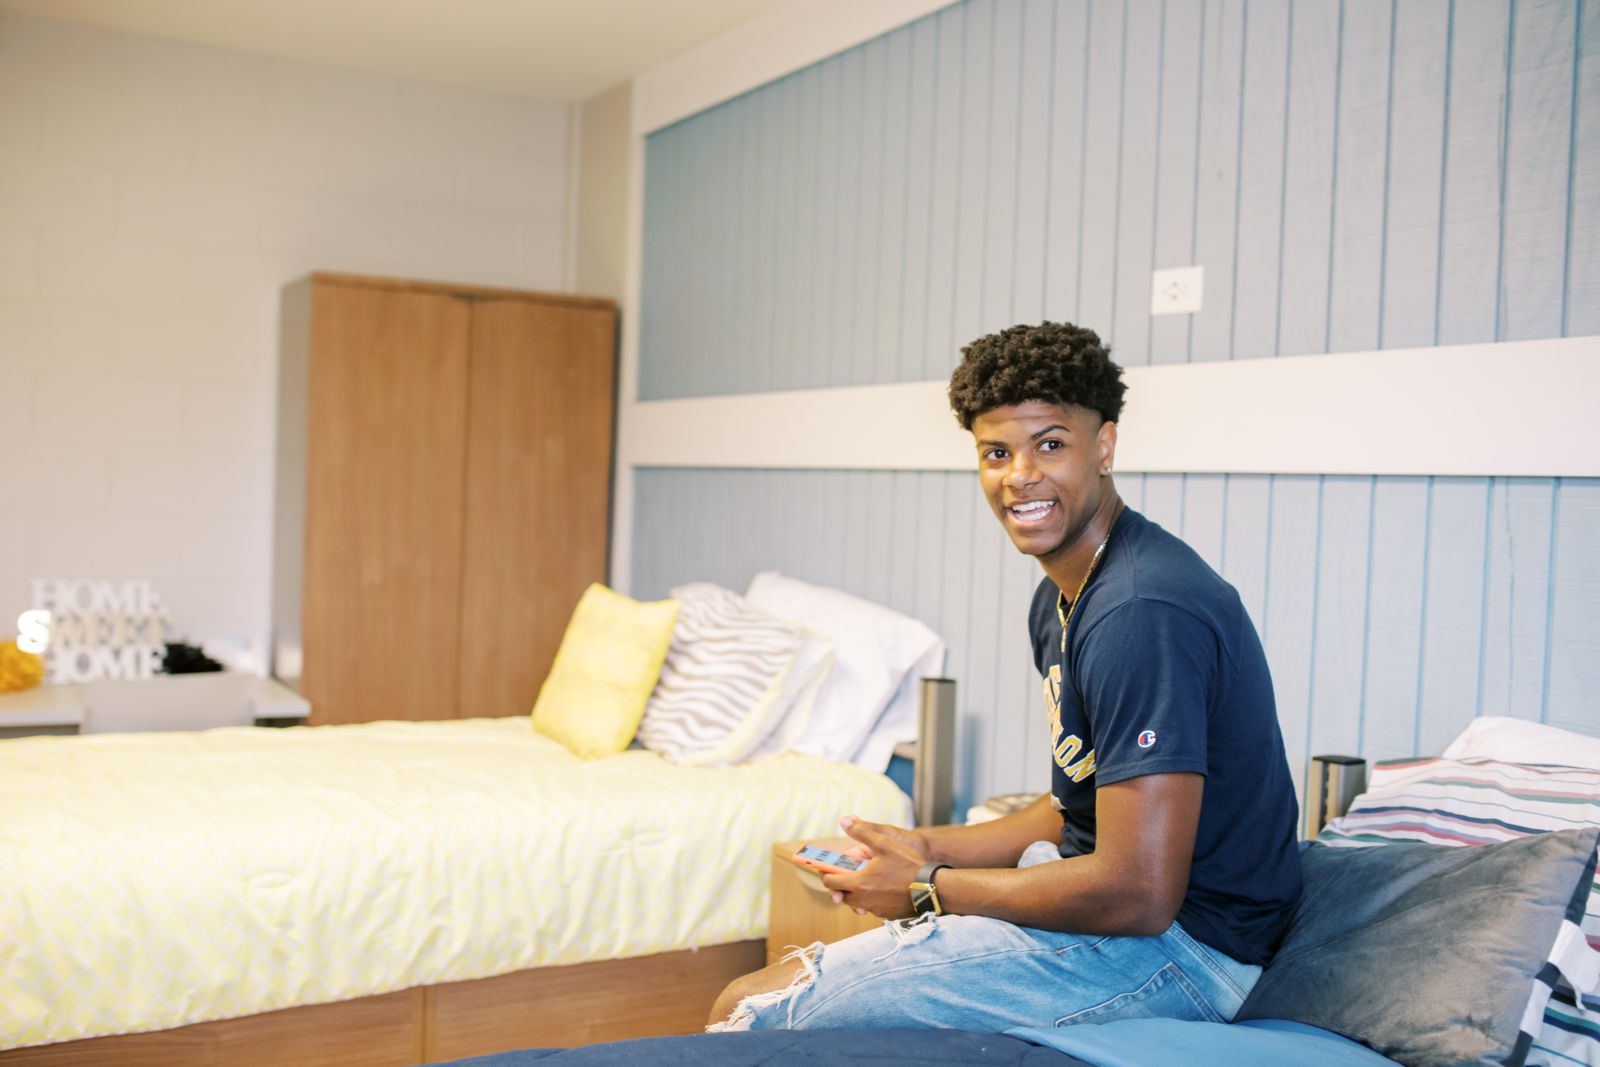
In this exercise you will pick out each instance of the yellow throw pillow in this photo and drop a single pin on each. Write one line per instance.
(609, 660)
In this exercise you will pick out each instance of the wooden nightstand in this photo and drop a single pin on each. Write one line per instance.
(799, 914)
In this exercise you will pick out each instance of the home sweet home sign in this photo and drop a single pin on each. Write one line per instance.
(87, 630)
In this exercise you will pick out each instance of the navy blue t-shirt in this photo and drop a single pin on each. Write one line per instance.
(1164, 673)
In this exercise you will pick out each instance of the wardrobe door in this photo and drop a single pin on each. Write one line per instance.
(538, 490)
(386, 439)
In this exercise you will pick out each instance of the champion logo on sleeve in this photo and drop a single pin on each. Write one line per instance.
(1147, 739)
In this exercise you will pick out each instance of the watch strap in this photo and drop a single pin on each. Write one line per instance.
(924, 897)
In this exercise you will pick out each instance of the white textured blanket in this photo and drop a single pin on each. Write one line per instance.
(153, 880)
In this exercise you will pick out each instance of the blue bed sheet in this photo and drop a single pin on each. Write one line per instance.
(1257, 1043)
(795, 1048)
(1127, 1043)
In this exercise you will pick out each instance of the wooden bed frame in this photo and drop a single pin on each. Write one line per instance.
(546, 1007)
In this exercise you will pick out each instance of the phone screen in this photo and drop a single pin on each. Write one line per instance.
(830, 858)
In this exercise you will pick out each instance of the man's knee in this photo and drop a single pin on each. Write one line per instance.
(769, 979)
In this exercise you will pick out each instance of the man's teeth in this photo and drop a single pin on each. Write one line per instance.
(1033, 507)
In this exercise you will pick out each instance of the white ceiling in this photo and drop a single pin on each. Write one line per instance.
(550, 50)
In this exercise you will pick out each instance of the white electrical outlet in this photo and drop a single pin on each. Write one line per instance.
(1177, 290)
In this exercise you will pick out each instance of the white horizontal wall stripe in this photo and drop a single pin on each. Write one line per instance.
(1393, 412)
(787, 38)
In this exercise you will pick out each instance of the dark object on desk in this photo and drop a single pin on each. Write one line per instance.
(187, 659)
(1332, 782)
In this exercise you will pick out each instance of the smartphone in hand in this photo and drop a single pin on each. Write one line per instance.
(827, 860)
(812, 859)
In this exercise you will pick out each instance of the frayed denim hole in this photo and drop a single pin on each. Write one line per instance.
(903, 933)
(744, 1012)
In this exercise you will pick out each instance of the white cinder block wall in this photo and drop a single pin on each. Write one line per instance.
(154, 198)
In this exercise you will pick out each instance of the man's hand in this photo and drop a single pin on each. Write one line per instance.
(883, 886)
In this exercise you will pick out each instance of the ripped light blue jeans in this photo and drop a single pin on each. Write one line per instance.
(974, 973)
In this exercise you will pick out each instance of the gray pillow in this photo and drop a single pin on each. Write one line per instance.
(1430, 954)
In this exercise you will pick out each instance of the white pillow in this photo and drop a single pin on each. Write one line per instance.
(811, 668)
(868, 703)
(1520, 741)
(899, 720)
(729, 679)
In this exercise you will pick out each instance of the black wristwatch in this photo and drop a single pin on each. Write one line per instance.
(924, 897)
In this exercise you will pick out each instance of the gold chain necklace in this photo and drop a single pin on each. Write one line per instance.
(1066, 616)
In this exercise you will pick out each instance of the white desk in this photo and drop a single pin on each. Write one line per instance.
(60, 709)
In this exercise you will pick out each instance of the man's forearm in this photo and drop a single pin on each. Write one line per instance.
(1132, 884)
(1082, 894)
(997, 843)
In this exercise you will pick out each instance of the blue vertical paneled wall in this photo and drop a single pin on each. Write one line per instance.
(1352, 175)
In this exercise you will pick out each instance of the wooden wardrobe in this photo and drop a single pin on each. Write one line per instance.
(443, 495)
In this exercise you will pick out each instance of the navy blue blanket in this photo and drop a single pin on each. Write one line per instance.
(795, 1048)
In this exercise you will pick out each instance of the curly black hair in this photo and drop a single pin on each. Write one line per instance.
(1056, 362)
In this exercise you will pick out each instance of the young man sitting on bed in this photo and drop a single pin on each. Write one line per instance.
(1157, 875)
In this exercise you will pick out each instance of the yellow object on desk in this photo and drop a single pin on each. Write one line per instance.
(19, 670)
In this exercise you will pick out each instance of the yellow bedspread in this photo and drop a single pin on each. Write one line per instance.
(153, 880)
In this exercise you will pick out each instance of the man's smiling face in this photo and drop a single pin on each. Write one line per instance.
(1044, 470)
